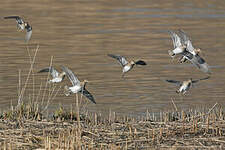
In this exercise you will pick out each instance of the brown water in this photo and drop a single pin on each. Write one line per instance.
(79, 34)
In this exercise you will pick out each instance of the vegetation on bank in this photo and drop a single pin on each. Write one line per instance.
(26, 128)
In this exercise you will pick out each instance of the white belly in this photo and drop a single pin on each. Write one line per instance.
(178, 50)
(56, 80)
(20, 26)
(126, 68)
(75, 89)
(193, 52)
(184, 88)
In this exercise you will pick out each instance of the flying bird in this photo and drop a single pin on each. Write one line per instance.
(185, 85)
(189, 47)
(56, 76)
(184, 47)
(179, 46)
(21, 26)
(77, 86)
(127, 65)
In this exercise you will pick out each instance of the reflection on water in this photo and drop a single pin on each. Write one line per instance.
(80, 34)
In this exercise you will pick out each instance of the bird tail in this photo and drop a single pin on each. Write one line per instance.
(140, 62)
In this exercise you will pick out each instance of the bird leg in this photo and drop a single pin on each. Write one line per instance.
(172, 59)
(185, 93)
(123, 74)
(182, 59)
(67, 91)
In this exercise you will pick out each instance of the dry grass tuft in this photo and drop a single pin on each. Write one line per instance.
(185, 129)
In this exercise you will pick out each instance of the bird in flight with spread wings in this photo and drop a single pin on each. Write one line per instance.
(179, 46)
(127, 65)
(184, 47)
(21, 26)
(56, 76)
(185, 85)
(77, 86)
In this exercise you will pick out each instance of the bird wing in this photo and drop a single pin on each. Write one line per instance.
(174, 81)
(184, 36)
(187, 41)
(176, 39)
(191, 58)
(195, 81)
(198, 61)
(28, 35)
(53, 71)
(88, 95)
(11, 17)
(140, 62)
(18, 19)
(73, 79)
(190, 48)
(122, 60)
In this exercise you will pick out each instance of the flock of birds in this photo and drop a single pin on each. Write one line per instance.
(182, 46)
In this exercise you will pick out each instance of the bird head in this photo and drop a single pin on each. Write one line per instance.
(85, 81)
(132, 62)
(198, 50)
